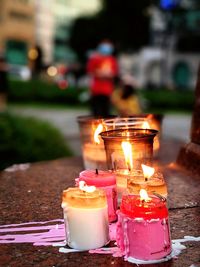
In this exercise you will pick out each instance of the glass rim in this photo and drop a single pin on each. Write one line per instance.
(134, 134)
(90, 118)
(124, 121)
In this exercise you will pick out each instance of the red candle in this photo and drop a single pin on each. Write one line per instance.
(143, 228)
(105, 180)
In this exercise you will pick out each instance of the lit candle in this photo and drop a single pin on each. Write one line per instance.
(122, 174)
(126, 149)
(86, 217)
(148, 179)
(154, 121)
(105, 180)
(143, 227)
(94, 156)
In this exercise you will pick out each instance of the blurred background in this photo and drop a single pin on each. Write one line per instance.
(44, 47)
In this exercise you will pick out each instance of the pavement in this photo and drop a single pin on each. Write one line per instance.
(175, 126)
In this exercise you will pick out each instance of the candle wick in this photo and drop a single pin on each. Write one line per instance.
(146, 179)
(159, 196)
(97, 172)
(129, 167)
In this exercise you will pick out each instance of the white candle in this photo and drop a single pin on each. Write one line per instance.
(86, 218)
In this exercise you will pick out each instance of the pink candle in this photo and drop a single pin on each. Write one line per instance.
(143, 228)
(105, 180)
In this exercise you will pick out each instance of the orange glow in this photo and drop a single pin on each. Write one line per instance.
(144, 196)
(98, 130)
(146, 125)
(127, 149)
(84, 187)
(52, 71)
(147, 171)
(33, 54)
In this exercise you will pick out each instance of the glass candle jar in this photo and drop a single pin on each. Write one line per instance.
(125, 122)
(155, 122)
(93, 151)
(143, 228)
(142, 121)
(86, 218)
(140, 150)
(155, 184)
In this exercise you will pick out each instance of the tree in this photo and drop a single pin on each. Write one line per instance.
(125, 22)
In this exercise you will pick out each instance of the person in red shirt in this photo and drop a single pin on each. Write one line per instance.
(102, 68)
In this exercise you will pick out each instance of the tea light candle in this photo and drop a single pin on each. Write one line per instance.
(86, 217)
(149, 180)
(143, 227)
(107, 181)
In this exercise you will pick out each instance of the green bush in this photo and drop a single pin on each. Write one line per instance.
(48, 92)
(28, 140)
(169, 100)
(41, 91)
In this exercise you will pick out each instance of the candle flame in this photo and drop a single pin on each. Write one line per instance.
(127, 149)
(147, 171)
(98, 130)
(146, 125)
(144, 196)
(84, 187)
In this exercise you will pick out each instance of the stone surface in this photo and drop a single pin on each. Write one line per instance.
(35, 195)
(189, 155)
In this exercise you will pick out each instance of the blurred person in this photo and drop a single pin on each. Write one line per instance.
(102, 68)
(3, 83)
(125, 98)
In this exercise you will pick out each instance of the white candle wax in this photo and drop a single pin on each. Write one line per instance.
(86, 218)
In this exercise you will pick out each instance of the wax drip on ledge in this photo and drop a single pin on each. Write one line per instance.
(52, 233)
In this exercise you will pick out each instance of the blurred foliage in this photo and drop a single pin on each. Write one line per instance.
(41, 91)
(126, 23)
(166, 100)
(28, 140)
(47, 93)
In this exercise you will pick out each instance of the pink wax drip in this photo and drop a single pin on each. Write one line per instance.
(142, 239)
(52, 233)
(37, 233)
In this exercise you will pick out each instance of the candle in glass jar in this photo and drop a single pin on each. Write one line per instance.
(143, 227)
(126, 149)
(105, 180)
(86, 217)
(148, 179)
(93, 151)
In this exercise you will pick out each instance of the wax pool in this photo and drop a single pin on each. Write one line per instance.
(143, 228)
(107, 181)
(86, 218)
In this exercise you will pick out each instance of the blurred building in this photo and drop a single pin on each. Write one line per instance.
(65, 12)
(17, 30)
(53, 20)
(173, 56)
(45, 23)
(44, 28)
